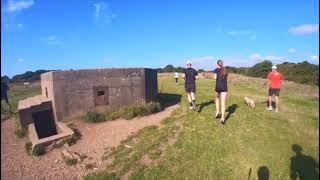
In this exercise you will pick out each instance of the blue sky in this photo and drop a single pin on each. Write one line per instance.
(83, 34)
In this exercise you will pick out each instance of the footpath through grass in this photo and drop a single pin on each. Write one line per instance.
(193, 145)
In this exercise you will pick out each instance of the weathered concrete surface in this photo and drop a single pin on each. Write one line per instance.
(72, 93)
(63, 131)
(76, 92)
(32, 105)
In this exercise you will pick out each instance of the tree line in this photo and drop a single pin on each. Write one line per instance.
(303, 72)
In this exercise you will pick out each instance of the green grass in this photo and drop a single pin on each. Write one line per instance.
(127, 112)
(252, 139)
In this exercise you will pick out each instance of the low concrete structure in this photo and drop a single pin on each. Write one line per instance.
(63, 131)
(70, 93)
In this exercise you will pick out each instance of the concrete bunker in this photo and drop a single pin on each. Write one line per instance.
(66, 94)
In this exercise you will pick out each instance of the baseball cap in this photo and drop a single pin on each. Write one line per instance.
(274, 67)
(189, 62)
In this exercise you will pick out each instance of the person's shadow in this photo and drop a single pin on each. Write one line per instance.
(202, 105)
(263, 173)
(303, 166)
(231, 109)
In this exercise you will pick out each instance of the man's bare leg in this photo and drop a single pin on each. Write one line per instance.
(277, 103)
(270, 105)
(193, 100)
(190, 100)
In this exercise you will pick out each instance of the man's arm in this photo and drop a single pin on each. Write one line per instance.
(267, 81)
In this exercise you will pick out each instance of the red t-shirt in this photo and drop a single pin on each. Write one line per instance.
(275, 79)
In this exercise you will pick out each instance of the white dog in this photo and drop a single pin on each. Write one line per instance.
(250, 102)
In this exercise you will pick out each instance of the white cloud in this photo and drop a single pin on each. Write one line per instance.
(304, 29)
(102, 13)
(52, 40)
(315, 58)
(19, 25)
(203, 62)
(20, 60)
(240, 32)
(258, 58)
(274, 58)
(14, 6)
(255, 57)
(291, 50)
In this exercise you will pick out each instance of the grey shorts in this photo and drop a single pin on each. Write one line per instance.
(275, 92)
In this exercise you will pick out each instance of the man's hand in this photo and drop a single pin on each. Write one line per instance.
(197, 77)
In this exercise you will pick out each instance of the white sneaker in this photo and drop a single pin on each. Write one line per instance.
(277, 110)
(190, 107)
(269, 108)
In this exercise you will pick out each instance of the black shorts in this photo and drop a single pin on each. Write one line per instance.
(275, 92)
(4, 97)
(190, 88)
(176, 79)
(221, 89)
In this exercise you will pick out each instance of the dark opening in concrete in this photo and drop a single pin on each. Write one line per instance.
(44, 123)
(101, 95)
(46, 92)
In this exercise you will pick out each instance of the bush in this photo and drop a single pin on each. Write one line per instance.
(28, 147)
(20, 132)
(127, 112)
(94, 117)
(112, 115)
(38, 151)
(131, 112)
(71, 161)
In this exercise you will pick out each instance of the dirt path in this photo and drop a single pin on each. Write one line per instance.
(17, 164)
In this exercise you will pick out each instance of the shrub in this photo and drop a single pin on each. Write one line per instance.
(70, 140)
(94, 117)
(20, 132)
(71, 161)
(28, 147)
(38, 151)
(127, 112)
(90, 166)
(112, 115)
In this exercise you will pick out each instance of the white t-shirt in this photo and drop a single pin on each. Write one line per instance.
(176, 75)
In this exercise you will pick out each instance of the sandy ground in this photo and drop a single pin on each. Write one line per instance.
(16, 164)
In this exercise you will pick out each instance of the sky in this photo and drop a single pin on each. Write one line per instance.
(86, 34)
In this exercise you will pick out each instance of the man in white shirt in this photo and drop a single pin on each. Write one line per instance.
(176, 76)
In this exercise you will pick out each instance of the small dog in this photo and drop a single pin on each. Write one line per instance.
(250, 102)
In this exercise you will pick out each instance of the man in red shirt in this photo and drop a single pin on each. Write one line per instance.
(274, 81)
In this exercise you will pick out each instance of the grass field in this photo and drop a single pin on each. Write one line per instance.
(193, 145)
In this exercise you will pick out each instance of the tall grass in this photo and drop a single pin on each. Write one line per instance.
(127, 112)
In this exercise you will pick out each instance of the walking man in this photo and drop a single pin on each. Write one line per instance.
(274, 81)
(4, 95)
(190, 75)
(176, 76)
